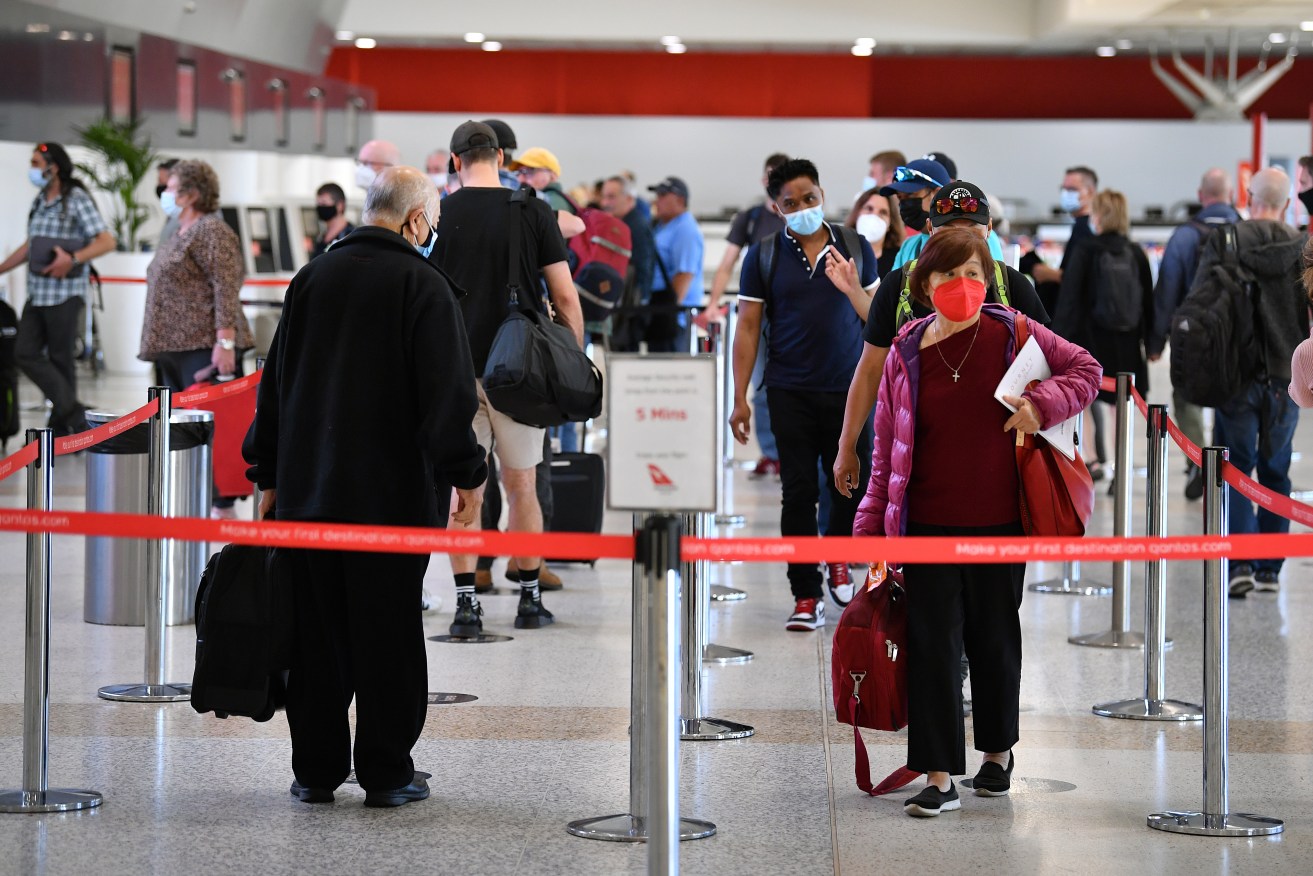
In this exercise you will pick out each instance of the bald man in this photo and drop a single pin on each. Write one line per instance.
(375, 157)
(1175, 276)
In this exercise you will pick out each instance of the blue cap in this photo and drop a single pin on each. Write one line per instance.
(923, 173)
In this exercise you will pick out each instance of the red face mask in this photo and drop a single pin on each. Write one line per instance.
(959, 299)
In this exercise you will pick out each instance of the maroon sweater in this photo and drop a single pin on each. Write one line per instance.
(965, 472)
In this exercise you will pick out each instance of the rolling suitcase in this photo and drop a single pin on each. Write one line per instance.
(578, 497)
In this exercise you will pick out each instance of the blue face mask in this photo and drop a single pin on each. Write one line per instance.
(426, 249)
(805, 221)
(37, 176)
(1069, 200)
(869, 183)
(169, 203)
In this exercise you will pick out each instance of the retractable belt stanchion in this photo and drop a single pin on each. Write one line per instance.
(1154, 705)
(720, 344)
(696, 611)
(1215, 819)
(653, 722)
(35, 796)
(1071, 583)
(1121, 635)
(159, 566)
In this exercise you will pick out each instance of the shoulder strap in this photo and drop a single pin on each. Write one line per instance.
(903, 312)
(1230, 245)
(1001, 282)
(754, 216)
(852, 241)
(1023, 331)
(518, 202)
(766, 260)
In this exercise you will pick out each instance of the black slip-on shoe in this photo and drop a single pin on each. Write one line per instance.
(933, 801)
(311, 795)
(415, 791)
(993, 780)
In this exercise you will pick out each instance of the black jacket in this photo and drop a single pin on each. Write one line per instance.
(1271, 252)
(368, 395)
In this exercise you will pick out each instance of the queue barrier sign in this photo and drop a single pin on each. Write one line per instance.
(661, 445)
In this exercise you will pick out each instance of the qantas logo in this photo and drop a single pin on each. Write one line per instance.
(660, 479)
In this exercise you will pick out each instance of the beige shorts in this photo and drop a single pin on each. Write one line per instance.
(516, 445)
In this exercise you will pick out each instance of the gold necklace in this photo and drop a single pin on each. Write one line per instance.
(964, 358)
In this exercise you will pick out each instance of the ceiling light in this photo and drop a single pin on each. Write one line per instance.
(1123, 45)
(38, 28)
(676, 48)
(1306, 25)
(88, 37)
(863, 51)
(1105, 51)
(366, 43)
(345, 36)
(671, 41)
(867, 42)
(473, 37)
(1276, 38)
(491, 46)
(67, 35)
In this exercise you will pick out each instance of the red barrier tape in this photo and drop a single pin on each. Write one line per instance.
(198, 397)
(17, 461)
(92, 437)
(246, 282)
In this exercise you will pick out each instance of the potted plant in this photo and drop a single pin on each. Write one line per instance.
(125, 157)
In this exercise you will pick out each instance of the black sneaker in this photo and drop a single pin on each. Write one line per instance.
(416, 790)
(1267, 581)
(1241, 576)
(993, 780)
(1194, 483)
(531, 615)
(933, 801)
(311, 795)
(468, 622)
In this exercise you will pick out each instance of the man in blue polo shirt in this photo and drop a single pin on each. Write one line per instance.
(814, 281)
(677, 278)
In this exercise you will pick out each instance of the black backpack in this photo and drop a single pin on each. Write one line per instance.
(1216, 350)
(1118, 294)
(242, 635)
(852, 243)
(9, 419)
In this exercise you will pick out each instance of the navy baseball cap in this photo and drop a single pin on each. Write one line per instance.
(671, 184)
(924, 173)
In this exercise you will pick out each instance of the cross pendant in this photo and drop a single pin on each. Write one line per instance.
(955, 376)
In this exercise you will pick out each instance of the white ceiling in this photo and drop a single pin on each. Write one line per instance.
(1026, 26)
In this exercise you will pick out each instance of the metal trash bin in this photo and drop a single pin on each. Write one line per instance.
(117, 473)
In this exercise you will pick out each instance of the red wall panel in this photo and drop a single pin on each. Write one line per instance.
(779, 85)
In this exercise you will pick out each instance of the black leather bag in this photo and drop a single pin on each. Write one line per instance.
(536, 374)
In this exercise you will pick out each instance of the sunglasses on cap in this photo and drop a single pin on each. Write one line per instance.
(957, 205)
(907, 174)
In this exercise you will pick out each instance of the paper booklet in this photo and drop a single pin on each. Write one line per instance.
(1031, 365)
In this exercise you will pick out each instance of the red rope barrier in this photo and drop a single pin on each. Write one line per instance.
(197, 397)
(92, 437)
(17, 461)
(247, 282)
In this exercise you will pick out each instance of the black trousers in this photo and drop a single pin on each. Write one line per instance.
(358, 633)
(47, 337)
(177, 371)
(950, 607)
(807, 426)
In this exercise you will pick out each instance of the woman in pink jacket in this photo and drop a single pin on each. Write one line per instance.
(1301, 363)
(944, 464)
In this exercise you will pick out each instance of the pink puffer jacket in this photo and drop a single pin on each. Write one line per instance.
(1072, 387)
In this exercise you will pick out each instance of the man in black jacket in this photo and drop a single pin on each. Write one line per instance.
(364, 416)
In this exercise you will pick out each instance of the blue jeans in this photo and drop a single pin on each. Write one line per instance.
(760, 409)
(1259, 428)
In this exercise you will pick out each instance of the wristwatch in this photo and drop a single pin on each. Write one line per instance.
(76, 263)
(226, 344)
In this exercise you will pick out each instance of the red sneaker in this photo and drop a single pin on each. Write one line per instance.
(808, 614)
(766, 467)
(840, 583)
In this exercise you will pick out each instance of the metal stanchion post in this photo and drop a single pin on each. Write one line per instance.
(711, 652)
(1121, 635)
(35, 796)
(159, 565)
(656, 568)
(1071, 583)
(1154, 705)
(1215, 819)
(696, 612)
(722, 347)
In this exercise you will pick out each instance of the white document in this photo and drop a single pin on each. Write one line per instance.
(1027, 366)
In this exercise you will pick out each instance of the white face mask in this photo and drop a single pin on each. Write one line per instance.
(869, 183)
(365, 176)
(439, 180)
(872, 227)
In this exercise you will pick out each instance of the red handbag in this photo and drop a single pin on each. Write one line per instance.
(869, 669)
(1057, 493)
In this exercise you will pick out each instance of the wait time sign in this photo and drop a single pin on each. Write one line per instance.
(662, 416)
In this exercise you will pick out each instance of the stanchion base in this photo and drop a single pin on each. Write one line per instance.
(724, 654)
(481, 639)
(1070, 588)
(730, 520)
(1150, 710)
(721, 593)
(1228, 824)
(1110, 639)
(712, 729)
(50, 800)
(146, 693)
(632, 829)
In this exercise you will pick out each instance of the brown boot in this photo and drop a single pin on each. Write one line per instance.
(482, 580)
(547, 579)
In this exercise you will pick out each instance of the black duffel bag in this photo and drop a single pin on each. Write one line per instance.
(536, 374)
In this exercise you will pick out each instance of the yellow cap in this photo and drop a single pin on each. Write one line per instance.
(536, 157)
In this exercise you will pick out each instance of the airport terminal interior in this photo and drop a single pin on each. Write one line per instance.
(530, 731)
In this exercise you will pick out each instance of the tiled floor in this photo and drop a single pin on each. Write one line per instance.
(546, 742)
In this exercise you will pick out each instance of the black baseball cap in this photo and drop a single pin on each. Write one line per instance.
(505, 136)
(948, 164)
(671, 184)
(959, 200)
(470, 135)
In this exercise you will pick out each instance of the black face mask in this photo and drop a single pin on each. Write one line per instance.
(159, 190)
(326, 212)
(914, 215)
(1306, 198)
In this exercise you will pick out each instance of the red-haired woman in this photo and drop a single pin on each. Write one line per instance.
(944, 464)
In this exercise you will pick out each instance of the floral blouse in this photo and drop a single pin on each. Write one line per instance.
(193, 288)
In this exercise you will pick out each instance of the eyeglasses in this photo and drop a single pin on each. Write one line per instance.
(907, 174)
(957, 205)
(528, 171)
